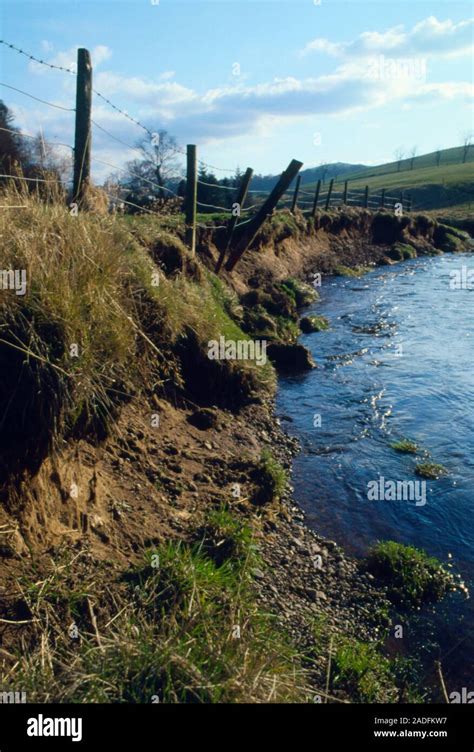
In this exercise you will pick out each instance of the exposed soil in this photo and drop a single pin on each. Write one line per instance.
(149, 483)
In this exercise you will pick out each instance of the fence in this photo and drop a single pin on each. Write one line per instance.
(242, 222)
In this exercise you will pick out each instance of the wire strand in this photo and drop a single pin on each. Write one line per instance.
(37, 60)
(30, 180)
(43, 101)
(28, 135)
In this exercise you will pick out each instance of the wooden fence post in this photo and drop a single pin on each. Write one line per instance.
(382, 199)
(248, 230)
(295, 194)
(401, 199)
(366, 197)
(328, 197)
(240, 200)
(316, 198)
(82, 136)
(191, 196)
(344, 197)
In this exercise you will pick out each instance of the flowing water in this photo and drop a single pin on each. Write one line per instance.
(397, 362)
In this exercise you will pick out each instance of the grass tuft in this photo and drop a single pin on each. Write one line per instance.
(405, 446)
(431, 470)
(412, 576)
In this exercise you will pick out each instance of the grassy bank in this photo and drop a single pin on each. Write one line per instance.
(144, 486)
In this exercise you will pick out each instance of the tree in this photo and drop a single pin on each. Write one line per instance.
(413, 153)
(467, 143)
(399, 154)
(158, 161)
(208, 194)
(438, 157)
(13, 149)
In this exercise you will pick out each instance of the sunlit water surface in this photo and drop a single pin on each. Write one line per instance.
(397, 362)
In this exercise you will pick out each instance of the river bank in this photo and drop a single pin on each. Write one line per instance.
(181, 440)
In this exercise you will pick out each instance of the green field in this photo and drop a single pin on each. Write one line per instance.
(431, 187)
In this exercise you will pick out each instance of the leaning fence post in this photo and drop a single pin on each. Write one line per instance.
(344, 196)
(316, 198)
(239, 200)
(191, 196)
(295, 194)
(366, 197)
(250, 229)
(82, 136)
(382, 199)
(328, 197)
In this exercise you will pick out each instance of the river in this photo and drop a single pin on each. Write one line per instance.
(397, 362)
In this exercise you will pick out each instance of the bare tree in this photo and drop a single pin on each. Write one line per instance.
(159, 158)
(399, 154)
(413, 154)
(467, 143)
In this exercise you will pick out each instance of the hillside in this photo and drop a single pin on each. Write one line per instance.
(431, 187)
(311, 174)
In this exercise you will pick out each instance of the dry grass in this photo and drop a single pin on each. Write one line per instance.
(181, 628)
(93, 289)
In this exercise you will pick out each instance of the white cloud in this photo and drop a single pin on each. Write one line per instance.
(68, 58)
(429, 37)
(240, 110)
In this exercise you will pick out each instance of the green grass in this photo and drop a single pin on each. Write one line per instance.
(187, 629)
(364, 673)
(450, 184)
(313, 324)
(301, 292)
(271, 478)
(410, 574)
(405, 446)
(402, 252)
(345, 271)
(451, 161)
(431, 470)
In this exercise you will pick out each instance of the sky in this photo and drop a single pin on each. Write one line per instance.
(251, 82)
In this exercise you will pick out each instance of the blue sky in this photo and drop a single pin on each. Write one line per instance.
(253, 83)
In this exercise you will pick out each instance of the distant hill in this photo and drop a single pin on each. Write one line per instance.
(436, 180)
(310, 175)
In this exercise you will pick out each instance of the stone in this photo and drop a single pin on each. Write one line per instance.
(204, 419)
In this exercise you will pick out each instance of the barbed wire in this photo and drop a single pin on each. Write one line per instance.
(43, 101)
(213, 206)
(119, 140)
(216, 185)
(101, 96)
(136, 175)
(32, 180)
(123, 112)
(37, 60)
(130, 203)
(211, 227)
(29, 135)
